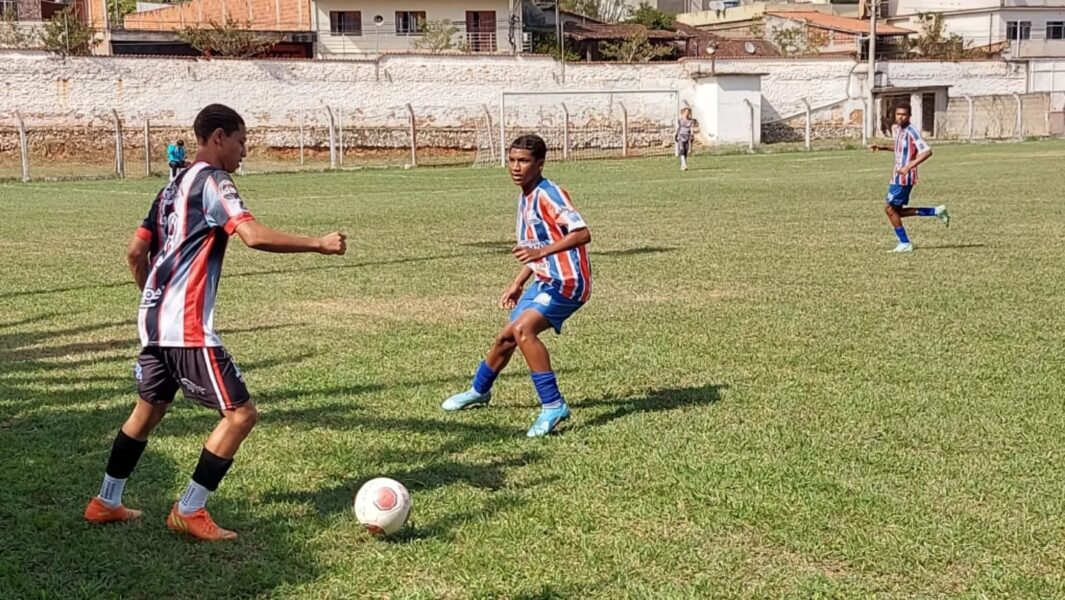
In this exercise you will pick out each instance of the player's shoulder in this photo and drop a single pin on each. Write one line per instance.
(554, 191)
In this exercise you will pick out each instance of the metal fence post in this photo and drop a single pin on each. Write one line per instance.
(488, 124)
(750, 110)
(147, 148)
(332, 139)
(1020, 117)
(413, 137)
(340, 118)
(303, 116)
(120, 161)
(565, 132)
(24, 147)
(972, 117)
(624, 131)
(809, 124)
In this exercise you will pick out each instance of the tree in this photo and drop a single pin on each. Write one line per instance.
(65, 34)
(229, 39)
(802, 39)
(652, 18)
(931, 43)
(547, 43)
(15, 35)
(637, 48)
(438, 36)
(610, 11)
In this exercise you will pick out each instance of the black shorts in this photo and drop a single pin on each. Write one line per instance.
(684, 148)
(205, 375)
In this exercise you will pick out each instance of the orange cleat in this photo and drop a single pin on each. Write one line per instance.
(100, 513)
(199, 525)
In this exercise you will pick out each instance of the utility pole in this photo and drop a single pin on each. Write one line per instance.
(871, 116)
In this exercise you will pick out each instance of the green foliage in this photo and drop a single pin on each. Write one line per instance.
(547, 43)
(610, 11)
(796, 40)
(636, 49)
(14, 34)
(232, 38)
(931, 42)
(65, 34)
(438, 36)
(652, 18)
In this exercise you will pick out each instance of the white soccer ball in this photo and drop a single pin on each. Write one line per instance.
(382, 505)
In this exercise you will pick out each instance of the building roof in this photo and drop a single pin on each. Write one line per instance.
(604, 32)
(837, 23)
(727, 47)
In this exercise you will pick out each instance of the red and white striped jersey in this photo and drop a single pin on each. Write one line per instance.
(544, 217)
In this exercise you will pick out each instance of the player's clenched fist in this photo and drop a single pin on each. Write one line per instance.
(334, 243)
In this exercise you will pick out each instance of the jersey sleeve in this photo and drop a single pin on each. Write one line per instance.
(918, 141)
(149, 227)
(222, 204)
(561, 209)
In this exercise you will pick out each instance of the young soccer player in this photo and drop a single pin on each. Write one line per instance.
(175, 157)
(910, 151)
(552, 245)
(176, 260)
(684, 135)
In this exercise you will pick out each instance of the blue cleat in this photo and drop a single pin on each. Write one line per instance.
(467, 399)
(547, 421)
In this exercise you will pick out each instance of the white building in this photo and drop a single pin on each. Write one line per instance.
(1023, 28)
(350, 27)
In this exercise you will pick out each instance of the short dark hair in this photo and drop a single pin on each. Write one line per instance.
(216, 116)
(181, 142)
(906, 106)
(533, 143)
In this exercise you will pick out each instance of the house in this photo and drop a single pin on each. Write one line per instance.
(1022, 28)
(353, 27)
(805, 28)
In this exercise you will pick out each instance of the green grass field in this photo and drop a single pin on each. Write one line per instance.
(766, 403)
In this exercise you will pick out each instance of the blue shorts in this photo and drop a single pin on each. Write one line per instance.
(899, 195)
(548, 301)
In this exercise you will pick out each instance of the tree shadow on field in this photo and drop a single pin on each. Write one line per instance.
(506, 245)
(655, 400)
(952, 247)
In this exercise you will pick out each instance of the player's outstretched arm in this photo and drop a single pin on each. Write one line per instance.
(260, 237)
(137, 259)
(574, 239)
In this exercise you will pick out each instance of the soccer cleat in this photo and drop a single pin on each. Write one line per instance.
(100, 513)
(547, 421)
(197, 524)
(943, 214)
(467, 399)
(902, 248)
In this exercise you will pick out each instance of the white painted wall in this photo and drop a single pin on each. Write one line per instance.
(444, 90)
(385, 38)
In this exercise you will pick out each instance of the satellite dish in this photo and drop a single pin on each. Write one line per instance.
(378, 20)
(750, 48)
(710, 49)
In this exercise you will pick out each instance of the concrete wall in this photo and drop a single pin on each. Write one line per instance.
(445, 91)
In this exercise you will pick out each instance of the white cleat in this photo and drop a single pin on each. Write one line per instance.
(943, 214)
(902, 248)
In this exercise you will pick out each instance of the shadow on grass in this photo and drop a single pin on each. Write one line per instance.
(923, 247)
(657, 400)
(506, 245)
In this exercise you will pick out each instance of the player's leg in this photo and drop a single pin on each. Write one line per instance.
(214, 381)
(156, 387)
(940, 212)
(897, 198)
(683, 147)
(480, 392)
(553, 408)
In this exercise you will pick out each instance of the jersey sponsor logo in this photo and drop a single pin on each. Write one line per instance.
(150, 297)
(193, 387)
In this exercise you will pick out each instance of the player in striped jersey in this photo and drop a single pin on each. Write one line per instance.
(176, 260)
(910, 151)
(552, 246)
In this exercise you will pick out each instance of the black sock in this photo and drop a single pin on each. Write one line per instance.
(125, 453)
(211, 469)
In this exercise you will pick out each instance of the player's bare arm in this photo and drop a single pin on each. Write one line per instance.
(260, 237)
(512, 294)
(137, 259)
(915, 162)
(574, 239)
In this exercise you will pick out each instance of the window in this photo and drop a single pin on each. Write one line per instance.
(9, 10)
(410, 22)
(345, 22)
(1018, 30)
(1056, 30)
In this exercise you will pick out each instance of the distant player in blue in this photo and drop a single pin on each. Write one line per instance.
(552, 245)
(910, 151)
(175, 157)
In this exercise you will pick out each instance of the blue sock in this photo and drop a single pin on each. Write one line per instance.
(926, 212)
(484, 378)
(547, 388)
(901, 232)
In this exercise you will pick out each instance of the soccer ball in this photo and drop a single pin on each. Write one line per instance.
(382, 505)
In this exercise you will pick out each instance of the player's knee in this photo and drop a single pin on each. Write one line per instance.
(244, 418)
(889, 210)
